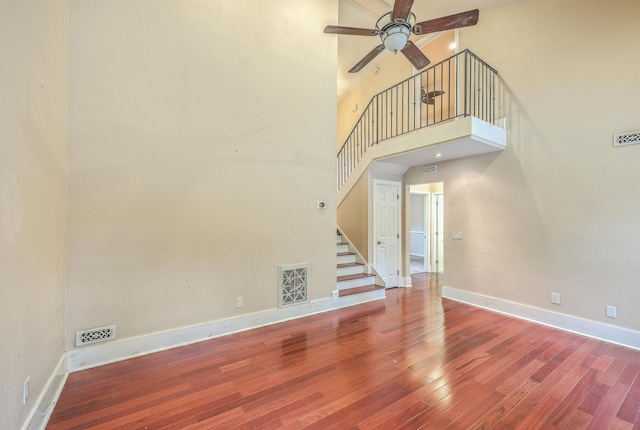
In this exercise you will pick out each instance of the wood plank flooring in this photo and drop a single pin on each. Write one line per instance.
(411, 361)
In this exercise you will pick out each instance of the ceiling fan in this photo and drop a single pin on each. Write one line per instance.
(395, 27)
(430, 97)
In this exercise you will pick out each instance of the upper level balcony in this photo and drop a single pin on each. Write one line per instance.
(448, 111)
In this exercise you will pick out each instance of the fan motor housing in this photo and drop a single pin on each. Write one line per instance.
(395, 33)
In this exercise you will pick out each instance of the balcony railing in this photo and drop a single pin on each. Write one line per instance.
(462, 85)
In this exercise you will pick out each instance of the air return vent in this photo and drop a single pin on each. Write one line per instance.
(624, 139)
(95, 335)
(293, 283)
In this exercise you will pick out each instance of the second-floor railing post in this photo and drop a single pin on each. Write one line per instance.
(465, 82)
(377, 121)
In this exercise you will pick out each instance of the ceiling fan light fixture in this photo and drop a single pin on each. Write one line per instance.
(395, 39)
(395, 33)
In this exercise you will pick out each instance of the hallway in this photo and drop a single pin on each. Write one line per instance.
(416, 265)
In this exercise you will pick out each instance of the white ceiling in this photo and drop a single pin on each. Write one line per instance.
(446, 151)
(365, 13)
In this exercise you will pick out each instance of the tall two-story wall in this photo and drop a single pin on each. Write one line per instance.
(200, 139)
(557, 211)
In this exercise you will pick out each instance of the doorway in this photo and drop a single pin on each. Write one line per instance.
(426, 228)
(386, 224)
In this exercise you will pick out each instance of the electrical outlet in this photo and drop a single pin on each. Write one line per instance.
(25, 391)
(610, 311)
(555, 298)
(239, 302)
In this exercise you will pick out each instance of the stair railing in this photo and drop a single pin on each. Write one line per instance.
(460, 86)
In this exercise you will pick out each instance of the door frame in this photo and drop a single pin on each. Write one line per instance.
(438, 236)
(372, 244)
(427, 235)
(435, 190)
(426, 222)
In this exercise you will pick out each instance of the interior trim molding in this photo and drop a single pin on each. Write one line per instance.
(405, 281)
(573, 324)
(118, 350)
(40, 413)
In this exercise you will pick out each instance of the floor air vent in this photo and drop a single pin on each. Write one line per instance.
(95, 335)
(293, 281)
(624, 139)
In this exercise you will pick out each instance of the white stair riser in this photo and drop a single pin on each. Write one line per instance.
(342, 259)
(350, 270)
(354, 283)
(343, 247)
(362, 297)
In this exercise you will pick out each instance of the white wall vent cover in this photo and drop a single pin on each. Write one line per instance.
(624, 139)
(95, 335)
(293, 282)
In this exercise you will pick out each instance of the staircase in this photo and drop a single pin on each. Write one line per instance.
(355, 282)
(462, 96)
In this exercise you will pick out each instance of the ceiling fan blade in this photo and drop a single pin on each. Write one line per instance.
(462, 19)
(415, 56)
(401, 9)
(336, 29)
(367, 59)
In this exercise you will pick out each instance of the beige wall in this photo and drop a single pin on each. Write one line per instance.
(353, 214)
(198, 148)
(558, 210)
(33, 203)
(439, 47)
(427, 187)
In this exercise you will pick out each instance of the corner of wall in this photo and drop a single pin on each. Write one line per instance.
(41, 412)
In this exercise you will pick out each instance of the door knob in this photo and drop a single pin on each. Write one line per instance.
(379, 242)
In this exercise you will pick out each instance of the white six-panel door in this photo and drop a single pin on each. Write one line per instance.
(386, 210)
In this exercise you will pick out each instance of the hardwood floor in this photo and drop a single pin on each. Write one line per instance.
(411, 361)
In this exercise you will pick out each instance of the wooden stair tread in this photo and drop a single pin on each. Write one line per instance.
(358, 290)
(341, 265)
(346, 253)
(356, 276)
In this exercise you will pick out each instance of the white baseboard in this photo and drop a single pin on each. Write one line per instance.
(405, 281)
(100, 354)
(594, 329)
(39, 415)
